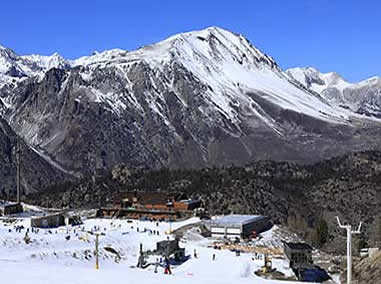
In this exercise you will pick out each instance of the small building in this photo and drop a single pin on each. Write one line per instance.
(56, 220)
(299, 254)
(300, 258)
(10, 208)
(73, 220)
(239, 226)
(170, 247)
(48, 221)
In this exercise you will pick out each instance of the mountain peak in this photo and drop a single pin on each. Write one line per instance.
(5, 51)
(218, 43)
(213, 45)
(316, 80)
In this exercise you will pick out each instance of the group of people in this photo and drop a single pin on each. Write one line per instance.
(18, 229)
(151, 232)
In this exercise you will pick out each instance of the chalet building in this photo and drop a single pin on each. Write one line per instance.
(154, 200)
(132, 213)
(150, 205)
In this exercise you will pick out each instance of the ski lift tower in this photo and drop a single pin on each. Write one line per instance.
(349, 247)
(96, 251)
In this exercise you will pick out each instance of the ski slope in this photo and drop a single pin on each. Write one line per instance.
(50, 258)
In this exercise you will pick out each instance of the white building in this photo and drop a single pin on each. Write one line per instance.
(239, 226)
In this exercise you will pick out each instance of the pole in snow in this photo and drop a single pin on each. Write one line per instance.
(97, 248)
(349, 247)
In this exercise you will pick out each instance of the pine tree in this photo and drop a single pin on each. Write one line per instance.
(322, 233)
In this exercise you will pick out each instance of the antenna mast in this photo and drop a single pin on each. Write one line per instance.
(96, 171)
(349, 247)
(18, 159)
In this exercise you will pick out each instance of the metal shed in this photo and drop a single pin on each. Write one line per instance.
(49, 221)
(239, 226)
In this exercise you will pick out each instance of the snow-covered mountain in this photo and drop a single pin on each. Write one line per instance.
(224, 62)
(13, 67)
(363, 97)
(196, 99)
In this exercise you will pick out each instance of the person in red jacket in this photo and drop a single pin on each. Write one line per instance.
(167, 268)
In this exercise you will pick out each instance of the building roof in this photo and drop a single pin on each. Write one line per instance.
(231, 220)
(298, 246)
(190, 201)
(48, 216)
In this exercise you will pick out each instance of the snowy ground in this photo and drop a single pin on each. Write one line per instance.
(50, 258)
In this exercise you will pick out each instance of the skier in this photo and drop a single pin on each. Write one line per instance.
(214, 257)
(195, 253)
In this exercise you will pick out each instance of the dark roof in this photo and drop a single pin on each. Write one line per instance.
(298, 246)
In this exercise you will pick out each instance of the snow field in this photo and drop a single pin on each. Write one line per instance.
(50, 258)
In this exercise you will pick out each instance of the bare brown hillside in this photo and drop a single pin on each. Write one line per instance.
(367, 271)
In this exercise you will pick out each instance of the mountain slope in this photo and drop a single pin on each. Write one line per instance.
(196, 99)
(362, 98)
(36, 172)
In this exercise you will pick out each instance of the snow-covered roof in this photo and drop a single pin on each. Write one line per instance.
(190, 201)
(231, 220)
(3, 204)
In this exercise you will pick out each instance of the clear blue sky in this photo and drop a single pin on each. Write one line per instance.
(331, 35)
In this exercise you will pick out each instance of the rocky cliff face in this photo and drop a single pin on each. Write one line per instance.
(196, 99)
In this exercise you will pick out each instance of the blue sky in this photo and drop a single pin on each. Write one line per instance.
(331, 35)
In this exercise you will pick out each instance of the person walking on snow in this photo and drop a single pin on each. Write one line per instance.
(167, 268)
